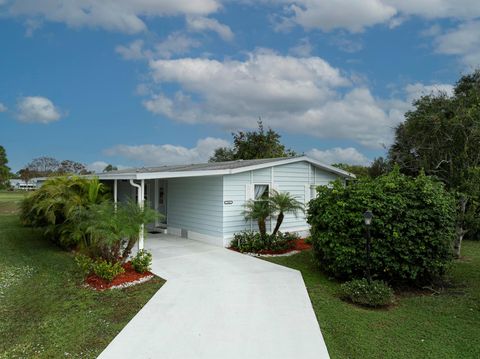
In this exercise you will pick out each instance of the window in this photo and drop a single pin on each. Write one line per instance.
(261, 192)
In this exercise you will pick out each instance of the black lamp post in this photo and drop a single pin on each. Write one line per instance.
(367, 217)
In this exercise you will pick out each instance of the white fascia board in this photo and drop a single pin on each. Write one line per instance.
(161, 175)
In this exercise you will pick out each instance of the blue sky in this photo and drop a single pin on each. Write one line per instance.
(150, 82)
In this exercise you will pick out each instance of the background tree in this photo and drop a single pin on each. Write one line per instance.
(441, 136)
(357, 170)
(250, 145)
(109, 168)
(43, 166)
(4, 169)
(72, 167)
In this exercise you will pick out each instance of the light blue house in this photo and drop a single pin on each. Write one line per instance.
(205, 201)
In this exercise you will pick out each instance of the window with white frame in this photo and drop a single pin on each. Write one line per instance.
(261, 192)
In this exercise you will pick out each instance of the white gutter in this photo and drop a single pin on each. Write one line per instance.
(140, 203)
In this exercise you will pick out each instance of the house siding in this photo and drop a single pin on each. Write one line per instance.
(195, 205)
(296, 178)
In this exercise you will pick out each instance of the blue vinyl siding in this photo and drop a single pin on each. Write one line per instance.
(196, 204)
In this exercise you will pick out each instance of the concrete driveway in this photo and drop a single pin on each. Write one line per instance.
(220, 304)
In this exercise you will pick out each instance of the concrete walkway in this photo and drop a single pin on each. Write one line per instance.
(220, 304)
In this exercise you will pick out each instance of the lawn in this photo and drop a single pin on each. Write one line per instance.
(9, 201)
(444, 325)
(44, 310)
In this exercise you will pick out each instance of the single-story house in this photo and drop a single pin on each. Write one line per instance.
(206, 201)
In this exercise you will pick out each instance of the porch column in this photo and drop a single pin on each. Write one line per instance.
(155, 199)
(115, 193)
(141, 203)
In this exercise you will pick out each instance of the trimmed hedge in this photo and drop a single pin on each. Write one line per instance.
(412, 230)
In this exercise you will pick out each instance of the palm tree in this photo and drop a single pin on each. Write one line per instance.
(259, 211)
(283, 203)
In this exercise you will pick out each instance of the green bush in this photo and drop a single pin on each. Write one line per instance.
(252, 242)
(412, 230)
(85, 264)
(106, 270)
(374, 294)
(142, 261)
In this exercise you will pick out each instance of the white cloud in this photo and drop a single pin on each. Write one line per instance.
(3, 108)
(348, 155)
(174, 44)
(37, 109)
(202, 23)
(301, 95)
(132, 51)
(302, 49)
(169, 154)
(99, 166)
(119, 15)
(356, 15)
(417, 90)
(463, 41)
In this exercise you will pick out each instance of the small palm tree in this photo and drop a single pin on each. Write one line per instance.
(259, 211)
(283, 203)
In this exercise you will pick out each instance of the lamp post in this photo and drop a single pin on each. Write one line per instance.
(367, 217)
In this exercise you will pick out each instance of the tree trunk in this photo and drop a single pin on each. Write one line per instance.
(128, 249)
(262, 227)
(460, 230)
(278, 224)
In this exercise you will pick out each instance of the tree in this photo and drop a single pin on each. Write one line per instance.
(43, 166)
(412, 230)
(253, 145)
(441, 136)
(357, 170)
(25, 175)
(72, 167)
(378, 167)
(283, 203)
(4, 169)
(110, 168)
(259, 211)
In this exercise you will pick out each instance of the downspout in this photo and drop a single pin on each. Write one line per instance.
(140, 203)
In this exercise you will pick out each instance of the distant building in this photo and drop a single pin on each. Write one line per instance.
(31, 185)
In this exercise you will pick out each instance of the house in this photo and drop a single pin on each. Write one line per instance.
(205, 202)
(20, 184)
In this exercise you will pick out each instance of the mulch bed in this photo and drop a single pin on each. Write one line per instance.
(121, 280)
(298, 245)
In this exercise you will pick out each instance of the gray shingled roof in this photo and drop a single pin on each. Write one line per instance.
(201, 166)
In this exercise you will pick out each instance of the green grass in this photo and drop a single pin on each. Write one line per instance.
(445, 325)
(9, 201)
(44, 310)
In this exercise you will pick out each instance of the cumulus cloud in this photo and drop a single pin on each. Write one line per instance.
(417, 90)
(302, 95)
(37, 109)
(348, 155)
(462, 41)
(169, 154)
(356, 15)
(202, 23)
(174, 44)
(3, 108)
(302, 49)
(119, 15)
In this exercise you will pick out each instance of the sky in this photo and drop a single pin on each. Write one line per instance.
(149, 82)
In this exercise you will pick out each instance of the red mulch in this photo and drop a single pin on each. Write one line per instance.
(126, 277)
(298, 245)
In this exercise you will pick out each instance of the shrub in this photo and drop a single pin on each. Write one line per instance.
(107, 270)
(412, 230)
(142, 261)
(374, 294)
(252, 242)
(85, 264)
